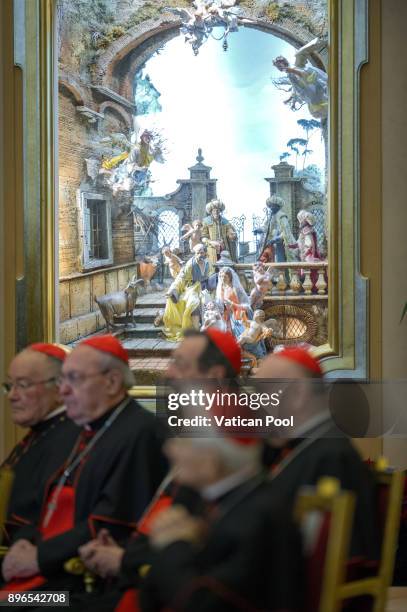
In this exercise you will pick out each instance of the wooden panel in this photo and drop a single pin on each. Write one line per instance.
(79, 291)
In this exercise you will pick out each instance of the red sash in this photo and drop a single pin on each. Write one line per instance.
(162, 503)
(62, 520)
(129, 602)
(63, 517)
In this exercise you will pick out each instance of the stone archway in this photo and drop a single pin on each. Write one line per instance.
(78, 93)
(116, 67)
(116, 108)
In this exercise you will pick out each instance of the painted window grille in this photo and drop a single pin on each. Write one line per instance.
(320, 227)
(239, 223)
(168, 229)
(96, 210)
(97, 248)
(259, 223)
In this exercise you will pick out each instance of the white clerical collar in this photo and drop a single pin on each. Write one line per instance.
(53, 413)
(220, 488)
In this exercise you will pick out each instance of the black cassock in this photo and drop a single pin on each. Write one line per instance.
(33, 460)
(306, 460)
(110, 488)
(251, 560)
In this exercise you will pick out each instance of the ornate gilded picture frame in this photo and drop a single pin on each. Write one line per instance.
(346, 351)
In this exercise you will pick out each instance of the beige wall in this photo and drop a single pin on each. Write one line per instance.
(388, 350)
(394, 212)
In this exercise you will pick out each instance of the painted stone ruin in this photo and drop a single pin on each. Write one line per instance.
(149, 266)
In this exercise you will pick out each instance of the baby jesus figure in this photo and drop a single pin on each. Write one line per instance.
(213, 318)
(193, 233)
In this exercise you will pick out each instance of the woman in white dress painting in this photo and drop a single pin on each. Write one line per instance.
(235, 306)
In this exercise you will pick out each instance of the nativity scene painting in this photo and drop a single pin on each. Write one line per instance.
(193, 156)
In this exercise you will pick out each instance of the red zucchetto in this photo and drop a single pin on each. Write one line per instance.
(107, 344)
(301, 356)
(227, 345)
(57, 351)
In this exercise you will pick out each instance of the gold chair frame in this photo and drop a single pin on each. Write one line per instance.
(377, 586)
(335, 589)
(328, 497)
(6, 483)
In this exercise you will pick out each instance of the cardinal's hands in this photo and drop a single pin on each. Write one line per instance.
(21, 561)
(102, 556)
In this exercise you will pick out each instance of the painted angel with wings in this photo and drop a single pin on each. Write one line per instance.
(130, 169)
(198, 23)
(194, 26)
(307, 84)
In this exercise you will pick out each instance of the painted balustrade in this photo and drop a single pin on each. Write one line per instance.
(296, 280)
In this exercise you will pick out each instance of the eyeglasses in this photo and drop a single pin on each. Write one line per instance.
(75, 379)
(24, 385)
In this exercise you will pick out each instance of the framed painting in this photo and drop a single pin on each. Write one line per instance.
(147, 114)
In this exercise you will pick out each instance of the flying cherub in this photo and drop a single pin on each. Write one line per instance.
(193, 233)
(307, 84)
(198, 23)
(262, 285)
(193, 26)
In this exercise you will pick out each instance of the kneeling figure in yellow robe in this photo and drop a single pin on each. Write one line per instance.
(182, 310)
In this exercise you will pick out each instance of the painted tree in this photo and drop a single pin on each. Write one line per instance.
(308, 125)
(294, 144)
(313, 178)
(284, 156)
(304, 154)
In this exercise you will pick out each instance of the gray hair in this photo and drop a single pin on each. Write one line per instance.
(233, 456)
(113, 363)
(199, 247)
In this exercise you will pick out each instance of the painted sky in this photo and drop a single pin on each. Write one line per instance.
(226, 104)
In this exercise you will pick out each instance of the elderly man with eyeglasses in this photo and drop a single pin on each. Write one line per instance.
(108, 478)
(36, 405)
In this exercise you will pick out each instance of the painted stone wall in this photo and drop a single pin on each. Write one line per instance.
(79, 313)
(72, 152)
(76, 143)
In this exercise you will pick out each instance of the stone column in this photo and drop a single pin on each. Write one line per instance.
(203, 187)
(283, 184)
